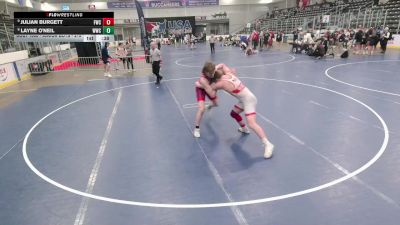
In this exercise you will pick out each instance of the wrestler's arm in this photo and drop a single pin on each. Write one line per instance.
(225, 68)
(207, 87)
(218, 85)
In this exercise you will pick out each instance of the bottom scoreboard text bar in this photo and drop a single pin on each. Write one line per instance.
(63, 38)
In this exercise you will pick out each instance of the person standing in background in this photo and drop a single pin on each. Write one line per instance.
(147, 50)
(212, 43)
(385, 37)
(255, 38)
(121, 52)
(158, 40)
(129, 58)
(105, 56)
(134, 41)
(279, 38)
(177, 39)
(265, 39)
(359, 41)
(155, 55)
(192, 40)
(271, 38)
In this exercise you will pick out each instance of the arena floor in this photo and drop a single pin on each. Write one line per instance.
(78, 148)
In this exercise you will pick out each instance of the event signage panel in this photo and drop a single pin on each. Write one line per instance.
(170, 25)
(162, 4)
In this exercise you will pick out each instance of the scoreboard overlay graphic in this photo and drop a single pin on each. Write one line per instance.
(64, 26)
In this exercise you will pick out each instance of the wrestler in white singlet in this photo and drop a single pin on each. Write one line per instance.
(247, 100)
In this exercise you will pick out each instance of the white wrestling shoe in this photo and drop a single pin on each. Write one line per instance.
(196, 132)
(268, 150)
(244, 130)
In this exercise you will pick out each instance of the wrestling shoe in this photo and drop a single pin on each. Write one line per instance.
(209, 107)
(268, 150)
(196, 132)
(244, 130)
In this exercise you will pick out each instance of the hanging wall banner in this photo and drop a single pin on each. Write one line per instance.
(162, 4)
(201, 2)
(143, 33)
(121, 5)
(170, 25)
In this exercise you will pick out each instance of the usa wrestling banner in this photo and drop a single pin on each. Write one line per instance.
(170, 25)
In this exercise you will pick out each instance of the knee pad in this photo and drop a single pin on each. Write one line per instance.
(236, 116)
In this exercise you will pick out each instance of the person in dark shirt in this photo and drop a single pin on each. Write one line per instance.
(295, 35)
(359, 38)
(266, 38)
(279, 37)
(364, 42)
(295, 45)
(105, 56)
(371, 40)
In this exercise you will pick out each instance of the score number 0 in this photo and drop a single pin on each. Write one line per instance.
(108, 25)
(108, 21)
